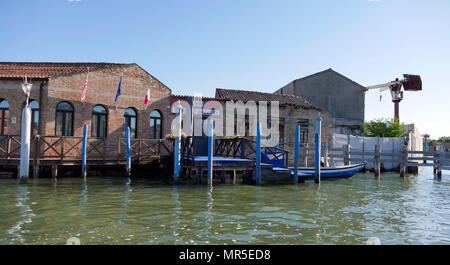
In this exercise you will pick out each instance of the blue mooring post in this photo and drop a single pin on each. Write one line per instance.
(296, 153)
(84, 152)
(258, 154)
(210, 151)
(318, 143)
(128, 147)
(177, 151)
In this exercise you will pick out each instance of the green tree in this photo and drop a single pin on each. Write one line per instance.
(383, 128)
(445, 139)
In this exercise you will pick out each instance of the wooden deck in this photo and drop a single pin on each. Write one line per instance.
(51, 150)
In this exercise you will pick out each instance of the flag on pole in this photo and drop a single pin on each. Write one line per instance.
(147, 98)
(85, 87)
(119, 91)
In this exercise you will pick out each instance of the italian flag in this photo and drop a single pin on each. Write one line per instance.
(147, 98)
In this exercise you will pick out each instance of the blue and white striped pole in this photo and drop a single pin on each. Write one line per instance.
(128, 150)
(84, 151)
(210, 151)
(318, 143)
(258, 155)
(177, 152)
(296, 152)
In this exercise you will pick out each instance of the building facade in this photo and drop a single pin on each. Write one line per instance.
(343, 98)
(56, 100)
(293, 111)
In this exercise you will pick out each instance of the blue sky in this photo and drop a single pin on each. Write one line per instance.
(199, 45)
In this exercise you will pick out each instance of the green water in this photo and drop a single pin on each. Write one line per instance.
(108, 211)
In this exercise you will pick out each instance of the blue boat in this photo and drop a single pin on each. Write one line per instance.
(327, 172)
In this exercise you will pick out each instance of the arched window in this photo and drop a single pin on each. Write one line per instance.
(155, 125)
(34, 105)
(64, 119)
(99, 121)
(130, 120)
(4, 117)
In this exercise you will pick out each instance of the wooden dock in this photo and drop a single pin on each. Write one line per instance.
(54, 152)
(234, 158)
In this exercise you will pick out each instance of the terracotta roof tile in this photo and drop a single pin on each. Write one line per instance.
(46, 70)
(245, 95)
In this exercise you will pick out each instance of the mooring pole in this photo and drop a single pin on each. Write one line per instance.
(177, 153)
(325, 154)
(25, 135)
(128, 151)
(377, 159)
(210, 151)
(25, 143)
(258, 154)
(84, 151)
(296, 152)
(317, 141)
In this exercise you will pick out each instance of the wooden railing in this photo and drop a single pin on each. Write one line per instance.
(145, 149)
(430, 159)
(238, 147)
(70, 148)
(9, 147)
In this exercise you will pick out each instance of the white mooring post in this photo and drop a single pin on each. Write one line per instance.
(25, 134)
(25, 143)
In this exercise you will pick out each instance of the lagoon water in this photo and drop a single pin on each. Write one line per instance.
(108, 211)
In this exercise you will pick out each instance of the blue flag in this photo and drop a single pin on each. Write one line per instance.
(119, 90)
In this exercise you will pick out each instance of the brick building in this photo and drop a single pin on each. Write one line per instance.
(294, 110)
(55, 99)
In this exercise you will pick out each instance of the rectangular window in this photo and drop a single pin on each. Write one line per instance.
(304, 130)
(281, 126)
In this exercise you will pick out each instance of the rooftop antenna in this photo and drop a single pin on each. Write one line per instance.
(408, 83)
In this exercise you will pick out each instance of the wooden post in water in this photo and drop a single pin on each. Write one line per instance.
(54, 171)
(258, 155)
(306, 154)
(296, 153)
(377, 161)
(346, 150)
(210, 152)
(438, 167)
(84, 152)
(325, 154)
(36, 157)
(128, 151)
(317, 141)
(403, 161)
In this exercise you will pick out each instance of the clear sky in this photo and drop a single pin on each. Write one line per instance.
(199, 45)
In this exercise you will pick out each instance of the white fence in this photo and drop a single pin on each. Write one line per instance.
(390, 150)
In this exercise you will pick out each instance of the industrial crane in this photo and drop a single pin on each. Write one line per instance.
(409, 83)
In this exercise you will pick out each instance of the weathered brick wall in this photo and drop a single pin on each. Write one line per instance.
(11, 91)
(102, 90)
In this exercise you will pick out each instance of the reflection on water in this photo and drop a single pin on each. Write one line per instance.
(114, 211)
